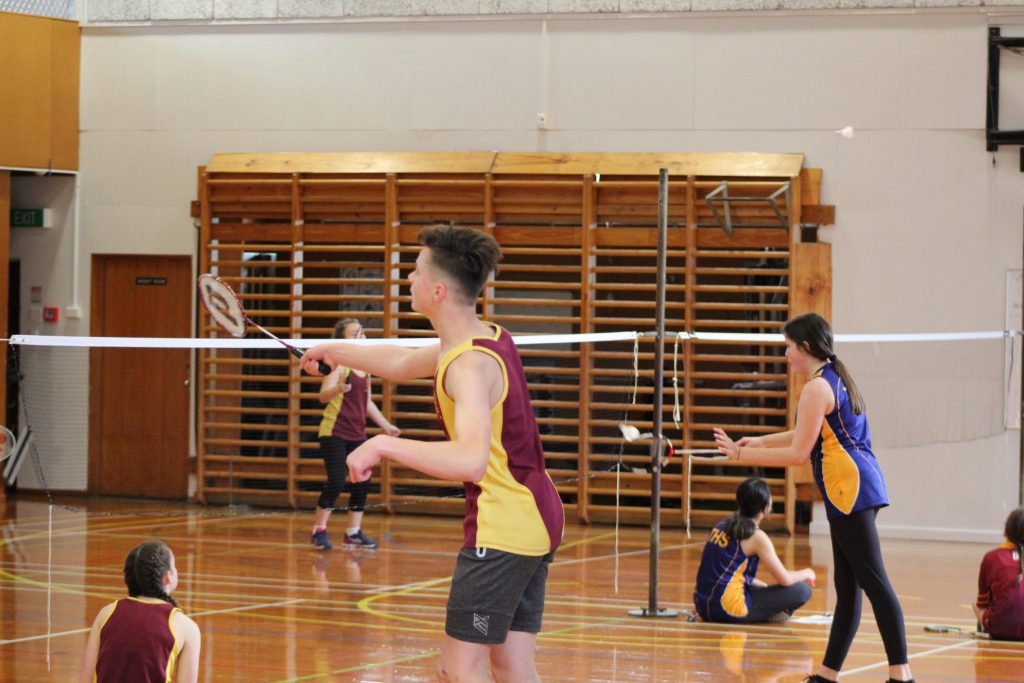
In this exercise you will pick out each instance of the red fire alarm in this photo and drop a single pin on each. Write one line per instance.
(50, 314)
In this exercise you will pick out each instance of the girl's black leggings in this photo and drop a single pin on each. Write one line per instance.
(335, 454)
(857, 557)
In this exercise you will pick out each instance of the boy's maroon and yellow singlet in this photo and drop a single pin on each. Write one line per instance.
(515, 507)
(137, 643)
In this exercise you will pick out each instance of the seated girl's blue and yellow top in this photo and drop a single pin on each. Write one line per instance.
(845, 468)
(725, 573)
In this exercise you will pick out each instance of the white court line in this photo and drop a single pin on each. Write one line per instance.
(245, 608)
(937, 650)
(556, 563)
(644, 551)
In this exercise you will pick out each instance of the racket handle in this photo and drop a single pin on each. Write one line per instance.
(323, 367)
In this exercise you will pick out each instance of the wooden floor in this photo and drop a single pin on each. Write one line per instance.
(272, 609)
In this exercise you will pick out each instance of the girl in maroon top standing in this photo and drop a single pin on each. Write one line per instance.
(144, 638)
(348, 400)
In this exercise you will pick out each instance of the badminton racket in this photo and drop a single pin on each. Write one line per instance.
(226, 310)
(965, 630)
(7, 443)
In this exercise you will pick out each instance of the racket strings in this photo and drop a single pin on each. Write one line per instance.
(223, 305)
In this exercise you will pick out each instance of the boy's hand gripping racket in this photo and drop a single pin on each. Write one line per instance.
(226, 310)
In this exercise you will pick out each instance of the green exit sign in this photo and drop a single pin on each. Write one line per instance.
(31, 218)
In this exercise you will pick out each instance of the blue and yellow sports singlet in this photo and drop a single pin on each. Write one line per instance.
(845, 468)
(515, 507)
(722, 580)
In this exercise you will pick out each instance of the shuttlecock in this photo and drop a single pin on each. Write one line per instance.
(631, 433)
(846, 132)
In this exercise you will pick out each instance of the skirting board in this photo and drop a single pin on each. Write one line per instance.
(819, 527)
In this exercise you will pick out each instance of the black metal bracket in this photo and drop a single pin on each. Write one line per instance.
(993, 136)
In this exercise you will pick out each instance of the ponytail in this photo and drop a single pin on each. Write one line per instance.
(856, 400)
(738, 527)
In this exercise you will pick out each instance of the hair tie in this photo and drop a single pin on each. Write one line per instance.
(831, 357)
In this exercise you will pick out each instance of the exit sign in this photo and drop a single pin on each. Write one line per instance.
(31, 218)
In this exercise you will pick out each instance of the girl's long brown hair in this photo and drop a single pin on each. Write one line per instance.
(814, 335)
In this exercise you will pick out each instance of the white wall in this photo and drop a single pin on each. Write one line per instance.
(927, 220)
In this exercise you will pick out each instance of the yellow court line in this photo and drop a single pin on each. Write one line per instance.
(79, 530)
(365, 603)
(60, 588)
(588, 539)
(365, 606)
(361, 667)
(437, 627)
(11, 576)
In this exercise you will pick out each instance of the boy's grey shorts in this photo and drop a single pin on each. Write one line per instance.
(494, 592)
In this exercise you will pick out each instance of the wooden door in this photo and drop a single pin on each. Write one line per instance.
(139, 398)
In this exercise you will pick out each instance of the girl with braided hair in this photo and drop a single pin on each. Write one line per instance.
(1000, 603)
(832, 432)
(144, 637)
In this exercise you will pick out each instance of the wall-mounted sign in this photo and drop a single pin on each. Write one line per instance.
(151, 281)
(31, 218)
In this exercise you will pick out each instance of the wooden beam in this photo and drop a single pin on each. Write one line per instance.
(730, 164)
(734, 164)
(352, 162)
(5, 258)
(820, 214)
(810, 292)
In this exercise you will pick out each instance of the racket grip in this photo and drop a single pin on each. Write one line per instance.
(323, 367)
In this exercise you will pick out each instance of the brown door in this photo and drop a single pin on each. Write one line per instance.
(139, 398)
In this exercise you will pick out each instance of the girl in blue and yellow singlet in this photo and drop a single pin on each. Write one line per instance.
(832, 431)
(727, 590)
(144, 638)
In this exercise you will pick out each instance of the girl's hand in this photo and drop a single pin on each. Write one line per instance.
(726, 446)
(392, 430)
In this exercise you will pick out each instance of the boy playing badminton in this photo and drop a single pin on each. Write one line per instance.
(514, 517)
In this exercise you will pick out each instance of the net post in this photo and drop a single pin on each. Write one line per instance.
(652, 609)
